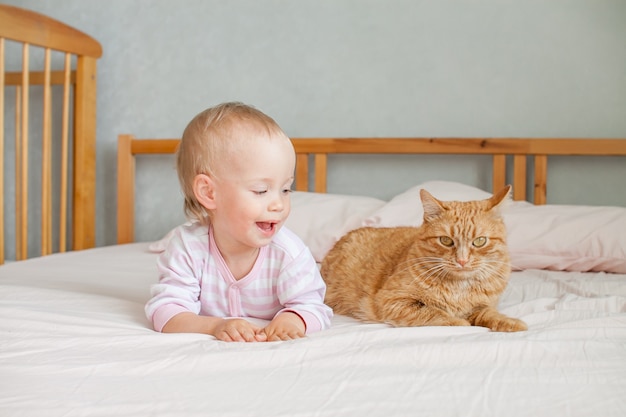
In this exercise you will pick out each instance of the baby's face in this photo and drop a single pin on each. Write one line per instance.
(253, 193)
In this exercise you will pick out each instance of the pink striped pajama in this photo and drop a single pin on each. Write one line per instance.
(193, 277)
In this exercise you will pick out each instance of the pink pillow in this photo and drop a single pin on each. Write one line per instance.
(567, 238)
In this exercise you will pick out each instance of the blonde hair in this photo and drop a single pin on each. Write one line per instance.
(212, 137)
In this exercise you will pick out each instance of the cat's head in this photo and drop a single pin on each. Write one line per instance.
(468, 235)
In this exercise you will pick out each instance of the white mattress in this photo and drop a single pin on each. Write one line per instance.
(74, 341)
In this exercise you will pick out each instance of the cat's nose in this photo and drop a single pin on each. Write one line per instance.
(462, 262)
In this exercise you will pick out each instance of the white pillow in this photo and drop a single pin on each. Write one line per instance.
(405, 209)
(321, 219)
(557, 237)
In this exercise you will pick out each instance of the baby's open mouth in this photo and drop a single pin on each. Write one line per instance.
(266, 226)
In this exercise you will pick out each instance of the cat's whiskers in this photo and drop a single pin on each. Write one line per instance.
(419, 261)
(495, 267)
(425, 268)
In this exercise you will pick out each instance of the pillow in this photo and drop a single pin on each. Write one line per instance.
(405, 209)
(556, 237)
(318, 219)
(321, 219)
(566, 237)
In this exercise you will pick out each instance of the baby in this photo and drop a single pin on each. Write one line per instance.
(235, 260)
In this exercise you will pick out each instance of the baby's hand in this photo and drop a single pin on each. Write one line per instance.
(238, 330)
(285, 326)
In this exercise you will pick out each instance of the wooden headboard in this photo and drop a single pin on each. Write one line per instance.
(66, 143)
(318, 149)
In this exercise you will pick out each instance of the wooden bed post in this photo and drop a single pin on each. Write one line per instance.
(84, 204)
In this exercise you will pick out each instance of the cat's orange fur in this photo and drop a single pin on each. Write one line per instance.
(437, 274)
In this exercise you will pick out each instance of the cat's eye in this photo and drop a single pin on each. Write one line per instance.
(479, 242)
(446, 241)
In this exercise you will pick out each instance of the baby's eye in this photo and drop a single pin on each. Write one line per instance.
(479, 242)
(287, 190)
(259, 192)
(446, 241)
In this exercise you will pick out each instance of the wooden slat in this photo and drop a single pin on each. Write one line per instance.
(321, 162)
(84, 197)
(302, 172)
(37, 78)
(46, 162)
(499, 173)
(125, 190)
(519, 177)
(65, 134)
(22, 163)
(2, 81)
(540, 190)
(30, 27)
(18, 160)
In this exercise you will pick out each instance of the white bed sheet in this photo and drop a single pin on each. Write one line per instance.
(74, 341)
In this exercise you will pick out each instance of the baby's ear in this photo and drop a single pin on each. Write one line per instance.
(204, 190)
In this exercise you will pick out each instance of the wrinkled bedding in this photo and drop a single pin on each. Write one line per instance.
(74, 341)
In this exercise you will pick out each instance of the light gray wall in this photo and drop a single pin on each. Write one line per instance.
(359, 68)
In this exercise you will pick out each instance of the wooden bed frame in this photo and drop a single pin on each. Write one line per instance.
(75, 137)
(318, 149)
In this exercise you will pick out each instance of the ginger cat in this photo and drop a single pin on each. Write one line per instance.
(450, 271)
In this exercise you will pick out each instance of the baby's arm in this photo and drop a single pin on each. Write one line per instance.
(301, 292)
(227, 330)
(285, 326)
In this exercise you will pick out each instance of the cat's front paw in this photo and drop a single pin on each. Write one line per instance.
(508, 324)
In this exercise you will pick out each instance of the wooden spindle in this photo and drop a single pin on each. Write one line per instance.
(2, 86)
(22, 177)
(541, 179)
(46, 161)
(321, 164)
(499, 173)
(519, 177)
(302, 172)
(65, 123)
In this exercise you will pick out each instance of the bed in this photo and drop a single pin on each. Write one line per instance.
(48, 76)
(74, 339)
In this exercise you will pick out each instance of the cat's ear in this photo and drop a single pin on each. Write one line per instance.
(432, 207)
(500, 198)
